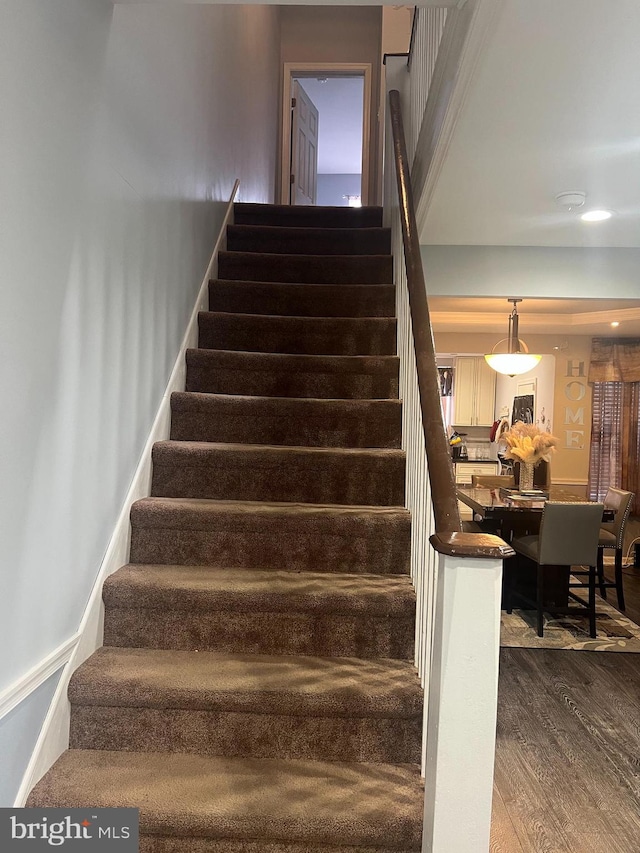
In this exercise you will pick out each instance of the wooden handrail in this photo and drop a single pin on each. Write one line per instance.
(443, 491)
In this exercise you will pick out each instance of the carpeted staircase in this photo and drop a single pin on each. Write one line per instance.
(256, 692)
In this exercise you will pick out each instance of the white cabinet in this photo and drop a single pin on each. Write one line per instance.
(463, 472)
(474, 392)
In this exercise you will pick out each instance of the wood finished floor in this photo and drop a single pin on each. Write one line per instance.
(567, 776)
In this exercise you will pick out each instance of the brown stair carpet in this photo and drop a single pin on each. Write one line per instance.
(244, 610)
(285, 420)
(241, 472)
(315, 269)
(302, 300)
(255, 692)
(322, 708)
(301, 241)
(284, 215)
(297, 335)
(274, 375)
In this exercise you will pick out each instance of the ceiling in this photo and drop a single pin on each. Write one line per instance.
(536, 316)
(553, 106)
(339, 101)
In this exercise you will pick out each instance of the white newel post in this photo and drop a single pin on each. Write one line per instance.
(462, 706)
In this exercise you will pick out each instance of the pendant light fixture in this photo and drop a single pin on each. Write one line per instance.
(517, 359)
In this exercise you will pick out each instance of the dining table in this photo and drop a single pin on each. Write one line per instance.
(513, 513)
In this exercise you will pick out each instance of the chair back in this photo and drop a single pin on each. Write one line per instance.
(493, 481)
(620, 501)
(569, 534)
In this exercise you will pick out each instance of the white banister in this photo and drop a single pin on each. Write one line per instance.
(461, 706)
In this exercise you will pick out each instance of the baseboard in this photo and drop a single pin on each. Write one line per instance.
(54, 735)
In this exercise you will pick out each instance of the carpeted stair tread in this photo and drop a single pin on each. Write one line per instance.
(302, 300)
(318, 269)
(265, 684)
(311, 241)
(189, 588)
(263, 706)
(285, 420)
(274, 535)
(271, 473)
(286, 375)
(317, 216)
(302, 335)
(320, 803)
(204, 607)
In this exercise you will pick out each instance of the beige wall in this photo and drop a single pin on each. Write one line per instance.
(338, 34)
(571, 398)
(572, 406)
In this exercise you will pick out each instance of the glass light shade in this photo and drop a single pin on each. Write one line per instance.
(512, 363)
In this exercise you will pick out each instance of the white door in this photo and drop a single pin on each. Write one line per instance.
(304, 147)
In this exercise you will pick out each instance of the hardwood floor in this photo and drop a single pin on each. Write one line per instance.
(567, 776)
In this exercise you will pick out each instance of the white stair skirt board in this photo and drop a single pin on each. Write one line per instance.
(54, 736)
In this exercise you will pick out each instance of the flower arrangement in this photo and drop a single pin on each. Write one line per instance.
(526, 443)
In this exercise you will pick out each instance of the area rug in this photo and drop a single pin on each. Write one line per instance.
(615, 633)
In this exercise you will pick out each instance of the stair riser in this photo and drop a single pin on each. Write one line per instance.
(320, 269)
(251, 333)
(313, 217)
(262, 383)
(376, 483)
(282, 546)
(245, 734)
(299, 241)
(258, 428)
(330, 635)
(302, 300)
(191, 844)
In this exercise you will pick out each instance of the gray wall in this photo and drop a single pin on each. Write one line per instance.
(339, 34)
(123, 130)
(532, 271)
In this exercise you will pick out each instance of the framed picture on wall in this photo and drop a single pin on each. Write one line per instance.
(524, 409)
(446, 381)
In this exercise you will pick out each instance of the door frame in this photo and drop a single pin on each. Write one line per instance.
(325, 69)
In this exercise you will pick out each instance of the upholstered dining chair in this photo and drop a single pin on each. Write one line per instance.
(489, 481)
(569, 534)
(493, 481)
(612, 536)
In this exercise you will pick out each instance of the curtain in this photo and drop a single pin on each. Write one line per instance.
(605, 459)
(615, 427)
(615, 360)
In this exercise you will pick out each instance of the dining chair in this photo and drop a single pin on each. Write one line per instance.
(490, 481)
(612, 536)
(493, 481)
(568, 536)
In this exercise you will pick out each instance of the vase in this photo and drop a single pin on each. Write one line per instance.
(526, 476)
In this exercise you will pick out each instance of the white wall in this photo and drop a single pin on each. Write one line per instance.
(123, 130)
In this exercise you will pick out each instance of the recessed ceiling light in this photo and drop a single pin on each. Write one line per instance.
(615, 324)
(596, 215)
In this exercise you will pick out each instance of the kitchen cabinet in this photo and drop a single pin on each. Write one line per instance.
(474, 392)
(463, 472)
